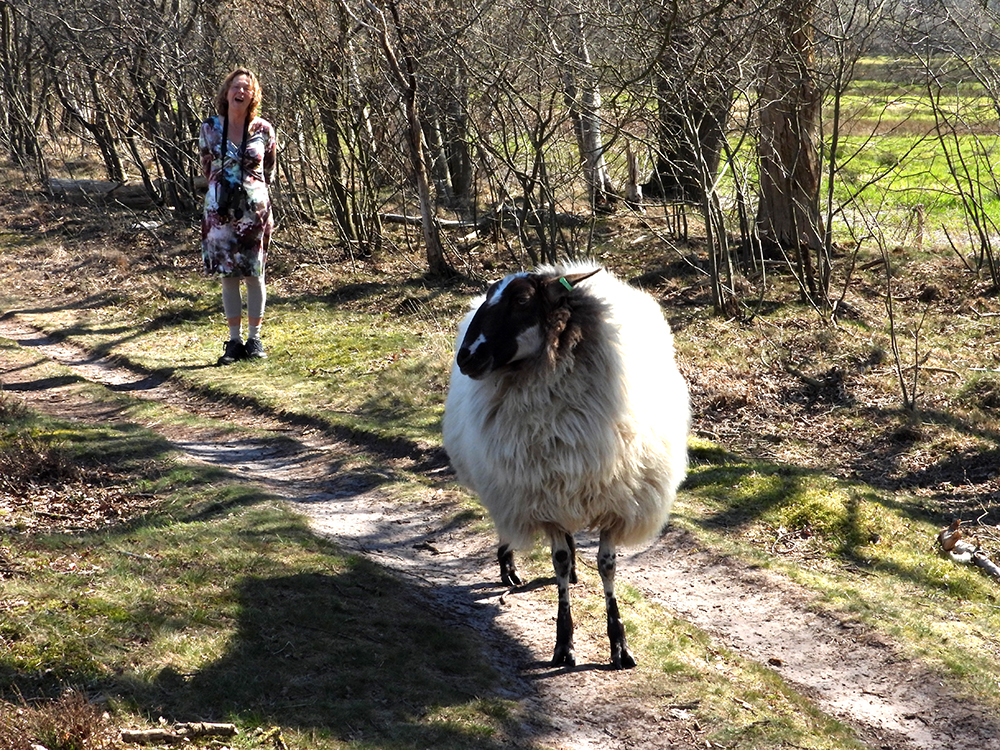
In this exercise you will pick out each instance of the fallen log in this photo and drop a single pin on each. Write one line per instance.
(417, 221)
(178, 733)
(88, 192)
(963, 552)
(504, 215)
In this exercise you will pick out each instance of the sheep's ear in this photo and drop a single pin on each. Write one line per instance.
(559, 286)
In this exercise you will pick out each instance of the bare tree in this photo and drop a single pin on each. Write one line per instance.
(156, 115)
(694, 82)
(582, 94)
(444, 39)
(514, 110)
(788, 218)
(329, 135)
(404, 76)
(21, 93)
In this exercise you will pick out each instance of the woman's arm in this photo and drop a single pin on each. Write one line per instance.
(205, 147)
(270, 154)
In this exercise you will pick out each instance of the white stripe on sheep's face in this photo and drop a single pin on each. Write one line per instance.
(509, 326)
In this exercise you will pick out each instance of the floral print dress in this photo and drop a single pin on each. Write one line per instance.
(234, 242)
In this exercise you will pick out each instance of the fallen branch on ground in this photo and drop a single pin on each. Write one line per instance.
(509, 217)
(89, 192)
(965, 552)
(177, 733)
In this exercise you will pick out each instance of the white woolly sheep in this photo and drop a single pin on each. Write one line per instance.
(566, 411)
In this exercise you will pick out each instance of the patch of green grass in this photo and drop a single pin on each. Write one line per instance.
(893, 71)
(744, 705)
(892, 156)
(220, 604)
(867, 552)
(741, 495)
(240, 614)
(369, 371)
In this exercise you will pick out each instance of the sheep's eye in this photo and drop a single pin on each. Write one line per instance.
(522, 299)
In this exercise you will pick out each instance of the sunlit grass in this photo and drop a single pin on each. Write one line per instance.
(866, 552)
(368, 371)
(220, 603)
(900, 149)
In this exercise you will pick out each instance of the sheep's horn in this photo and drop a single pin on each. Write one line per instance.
(561, 285)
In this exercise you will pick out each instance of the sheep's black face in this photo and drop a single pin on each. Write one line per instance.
(506, 328)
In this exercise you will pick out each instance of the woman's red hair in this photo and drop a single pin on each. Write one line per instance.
(222, 102)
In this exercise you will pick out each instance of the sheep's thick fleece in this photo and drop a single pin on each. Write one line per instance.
(592, 437)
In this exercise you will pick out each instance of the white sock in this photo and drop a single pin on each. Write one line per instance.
(253, 331)
(234, 332)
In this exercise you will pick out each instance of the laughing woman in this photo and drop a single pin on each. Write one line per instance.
(238, 151)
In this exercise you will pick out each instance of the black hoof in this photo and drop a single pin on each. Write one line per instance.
(622, 659)
(511, 578)
(508, 570)
(563, 656)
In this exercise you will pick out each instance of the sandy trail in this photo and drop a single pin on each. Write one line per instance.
(849, 671)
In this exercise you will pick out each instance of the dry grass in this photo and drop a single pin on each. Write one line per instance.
(44, 487)
(70, 722)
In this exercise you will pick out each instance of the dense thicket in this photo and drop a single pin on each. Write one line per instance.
(531, 114)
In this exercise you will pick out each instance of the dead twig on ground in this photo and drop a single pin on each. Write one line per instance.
(177, 733)
(956, 548)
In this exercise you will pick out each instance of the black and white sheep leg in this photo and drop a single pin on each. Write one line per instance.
(621, 656)
(572, 558)
(508, 570)
(564, 564)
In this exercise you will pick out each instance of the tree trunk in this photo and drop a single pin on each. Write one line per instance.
(19, 132)
(456, 142)
(446, 129)
(164, 127)
(693, 103)
(436, 264)
(329, 101)
(99, 127)
(788, 218)
(583, 97)
(407, 79)
(691, 131)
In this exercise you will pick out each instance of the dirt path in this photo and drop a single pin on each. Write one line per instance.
(849, 671)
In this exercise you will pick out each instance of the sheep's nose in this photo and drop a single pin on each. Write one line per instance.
(474, 363)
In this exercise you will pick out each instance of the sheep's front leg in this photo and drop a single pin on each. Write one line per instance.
(564, 563)
(508, 571)
(621, 657)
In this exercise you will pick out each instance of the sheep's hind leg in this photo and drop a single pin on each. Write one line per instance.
(572, 557)
(564, 563)
(508, 571)
(621, 657)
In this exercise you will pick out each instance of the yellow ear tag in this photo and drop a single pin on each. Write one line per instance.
(562, 280)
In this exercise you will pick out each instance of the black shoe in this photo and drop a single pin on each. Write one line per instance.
(254, 349)
(234, 351)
